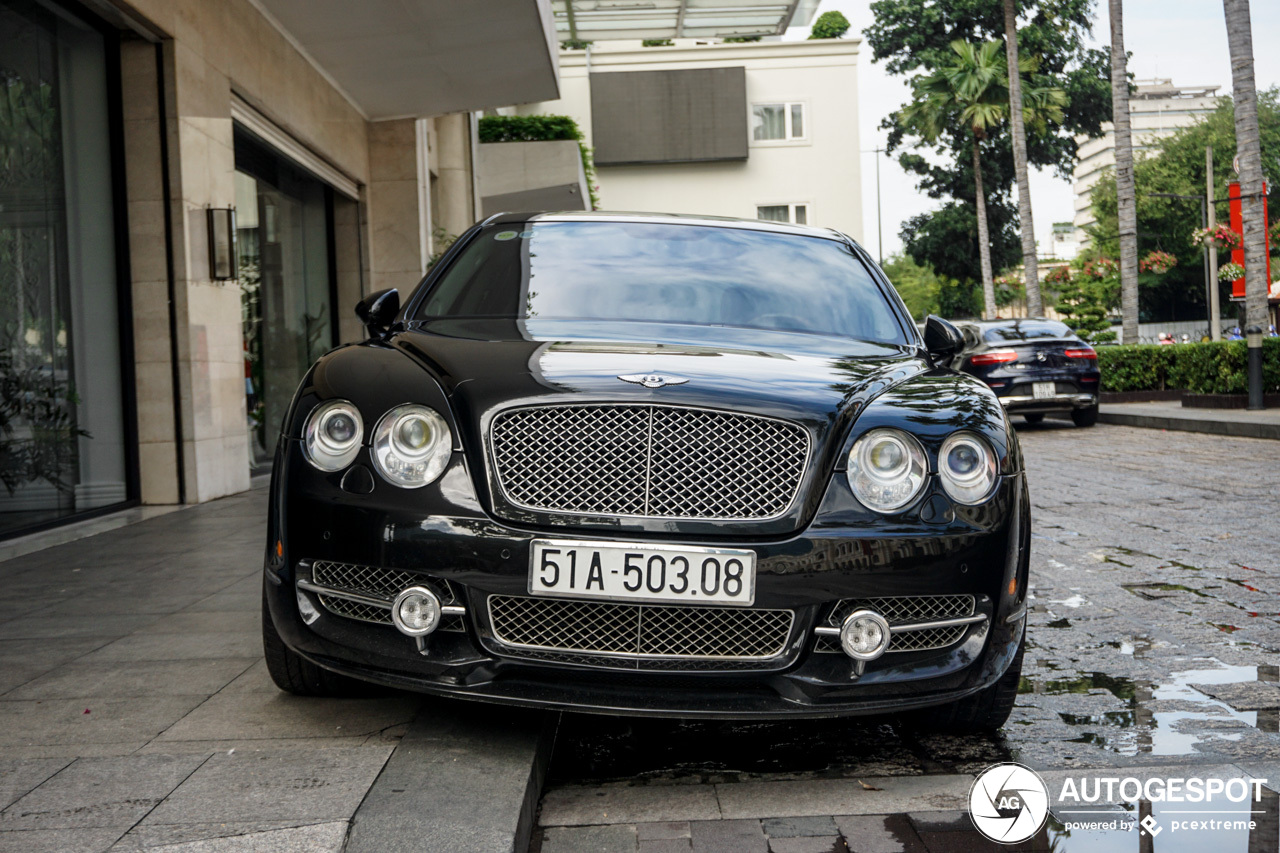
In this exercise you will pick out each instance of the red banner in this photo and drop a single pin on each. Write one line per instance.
(1237, 225)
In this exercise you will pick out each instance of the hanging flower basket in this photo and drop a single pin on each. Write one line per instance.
(1158, 262)
(1230, 272)
(1100, 268)
(1220, 236)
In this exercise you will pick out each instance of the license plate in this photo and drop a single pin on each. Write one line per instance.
(624, 571)
(1042, 390)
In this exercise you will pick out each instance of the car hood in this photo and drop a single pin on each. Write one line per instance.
(488, 365)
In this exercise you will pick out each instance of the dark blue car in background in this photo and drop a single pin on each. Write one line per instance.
(1034, 366)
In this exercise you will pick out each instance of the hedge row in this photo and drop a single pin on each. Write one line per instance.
(1209, 368)
(527, 128)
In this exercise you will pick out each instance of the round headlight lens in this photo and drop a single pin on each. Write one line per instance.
(886, 469)
(411, 445)
(968, 468)
(333, 434)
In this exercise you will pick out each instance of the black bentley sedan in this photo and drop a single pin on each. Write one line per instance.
(1034, 366)
(651, 465)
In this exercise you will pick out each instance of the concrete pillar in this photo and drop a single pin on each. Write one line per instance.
(397, 223)
(456, 192)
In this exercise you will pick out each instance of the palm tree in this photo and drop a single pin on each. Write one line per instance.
(1249, 149)
(1030, 270)
(972, 91)
(1126, 195)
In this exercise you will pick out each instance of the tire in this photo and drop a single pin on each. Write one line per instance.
(984, 711)
(1085, 417)
(1034, 418)
(294, 674)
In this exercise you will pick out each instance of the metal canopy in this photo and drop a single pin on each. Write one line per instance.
(411, 58)
(602, 20)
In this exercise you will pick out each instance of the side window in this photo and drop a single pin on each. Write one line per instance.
(781, 122)
(797, 214)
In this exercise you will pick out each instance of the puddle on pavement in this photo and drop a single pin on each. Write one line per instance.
(656, 751)
(1136, 728)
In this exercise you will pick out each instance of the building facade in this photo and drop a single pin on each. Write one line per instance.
(1157, 108)
(764, 130)
(194, 195)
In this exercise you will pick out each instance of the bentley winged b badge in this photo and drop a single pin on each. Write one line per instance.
(653, 380)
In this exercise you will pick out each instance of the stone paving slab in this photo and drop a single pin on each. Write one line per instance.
(464, 779)
(100, 793)
(316, 838)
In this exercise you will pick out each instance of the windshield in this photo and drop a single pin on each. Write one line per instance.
(662, 273)
(1027, 330)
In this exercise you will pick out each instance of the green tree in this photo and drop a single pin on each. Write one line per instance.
(1244, 92)
(919, 286)
(829, 25)
(909, 35)
(1085, 293)
(1175, 164)
(1126, 193)
(972, 91)
(1018, 129)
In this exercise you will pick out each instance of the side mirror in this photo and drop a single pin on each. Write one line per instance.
(941, 340)
(378, 311)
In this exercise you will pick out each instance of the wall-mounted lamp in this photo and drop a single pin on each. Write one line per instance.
(223, 263)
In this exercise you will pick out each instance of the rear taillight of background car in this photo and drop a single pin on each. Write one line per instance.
(998, 356)
(1081, 352)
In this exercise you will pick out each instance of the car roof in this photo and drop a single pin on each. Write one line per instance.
(663, 219)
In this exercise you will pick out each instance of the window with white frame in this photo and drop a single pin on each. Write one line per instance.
(782, 122)
(797, 214)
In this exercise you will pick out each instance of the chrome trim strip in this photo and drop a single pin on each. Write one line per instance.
(1087, 399)
(343, 593)
(940, 623)
(1016, 616)
(372, 601)
(495, 478)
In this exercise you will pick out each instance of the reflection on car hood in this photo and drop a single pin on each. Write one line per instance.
(491, 364)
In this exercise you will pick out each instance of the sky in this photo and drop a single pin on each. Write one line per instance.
(1185, 40)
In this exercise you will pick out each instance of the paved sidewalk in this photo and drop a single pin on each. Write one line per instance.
(1173, 416)
(136, 711)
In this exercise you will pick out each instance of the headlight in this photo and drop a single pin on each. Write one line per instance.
(333, 434)
(968, 468)
(886, 469)
(411, 445)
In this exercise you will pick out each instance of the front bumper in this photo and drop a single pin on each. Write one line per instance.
(841, 555)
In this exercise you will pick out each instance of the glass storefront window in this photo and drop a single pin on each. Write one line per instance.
(62, 436)
(284, 239)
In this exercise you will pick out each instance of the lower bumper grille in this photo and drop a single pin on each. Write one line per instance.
(903, 610)
(640, 632)
(379, 583)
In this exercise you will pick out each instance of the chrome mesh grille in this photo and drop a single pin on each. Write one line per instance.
(628, 630)
(648, 461)
(356, 610)
(377, 582)
(900, 610)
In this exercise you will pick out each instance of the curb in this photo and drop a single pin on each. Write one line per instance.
(465, 778)
(1235, 429)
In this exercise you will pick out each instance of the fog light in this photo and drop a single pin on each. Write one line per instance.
(416, 611)
(864, 635)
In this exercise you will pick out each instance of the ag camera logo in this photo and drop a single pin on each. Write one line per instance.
(1008, 803)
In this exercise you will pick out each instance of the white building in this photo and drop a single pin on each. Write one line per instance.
(1157, 108)
(1065, 243)
(763, 130)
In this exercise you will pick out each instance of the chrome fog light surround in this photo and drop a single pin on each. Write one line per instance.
(416, 611)
(865, 635)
